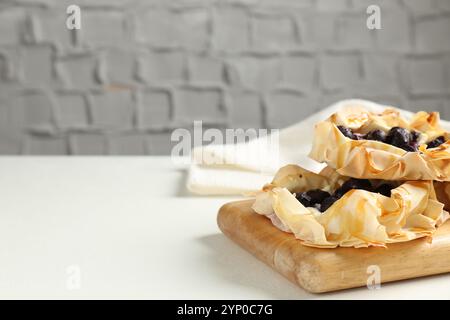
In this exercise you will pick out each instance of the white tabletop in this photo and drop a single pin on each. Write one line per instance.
(126, 228)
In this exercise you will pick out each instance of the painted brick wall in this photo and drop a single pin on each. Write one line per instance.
(139, 69)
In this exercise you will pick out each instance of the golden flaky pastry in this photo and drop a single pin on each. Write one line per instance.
(377, 160)
(359, 219)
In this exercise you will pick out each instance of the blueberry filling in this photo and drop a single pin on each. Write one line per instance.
(384, 189)
(415, 136)
(377, 135)
(346, 132)
(397, 136)
(322, 200)
(317, 195)
(436, 142)
(304, 199)
(312, 197)
(351, 184)
(328, 202)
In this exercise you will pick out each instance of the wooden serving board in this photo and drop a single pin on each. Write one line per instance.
(323, 270)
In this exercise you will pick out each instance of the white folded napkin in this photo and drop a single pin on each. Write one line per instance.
(244, 168)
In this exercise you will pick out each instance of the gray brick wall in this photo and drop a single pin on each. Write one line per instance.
(140, 68)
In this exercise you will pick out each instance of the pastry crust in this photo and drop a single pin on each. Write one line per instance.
(359, 219)
(367, 159)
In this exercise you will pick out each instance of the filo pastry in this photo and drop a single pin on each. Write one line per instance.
(371, 159)
(358, 219)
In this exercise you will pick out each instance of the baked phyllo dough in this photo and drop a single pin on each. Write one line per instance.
(363, 144)
(327, 210)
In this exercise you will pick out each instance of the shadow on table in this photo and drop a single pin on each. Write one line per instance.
(238, 266)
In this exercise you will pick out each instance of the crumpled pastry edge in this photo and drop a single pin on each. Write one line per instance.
(359, 219)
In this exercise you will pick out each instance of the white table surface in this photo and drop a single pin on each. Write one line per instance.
(131, 229)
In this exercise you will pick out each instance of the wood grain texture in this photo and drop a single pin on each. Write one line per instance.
(323, 270)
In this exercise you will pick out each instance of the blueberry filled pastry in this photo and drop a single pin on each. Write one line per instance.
(328, 210)
(362, 144)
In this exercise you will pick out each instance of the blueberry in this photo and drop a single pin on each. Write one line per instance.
(346, 132)
(415, 136)
(317, 195)
(351, 184)
(363, 184)
(413, 145)
(340, 192)
(358, 136)
(384, 189)
(410, 147)
(304, 199)
(436, 142)
(403, 139)
(377, 135)
(398, 137)
(328, 202)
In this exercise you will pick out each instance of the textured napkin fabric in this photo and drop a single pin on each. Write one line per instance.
(244, 168)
